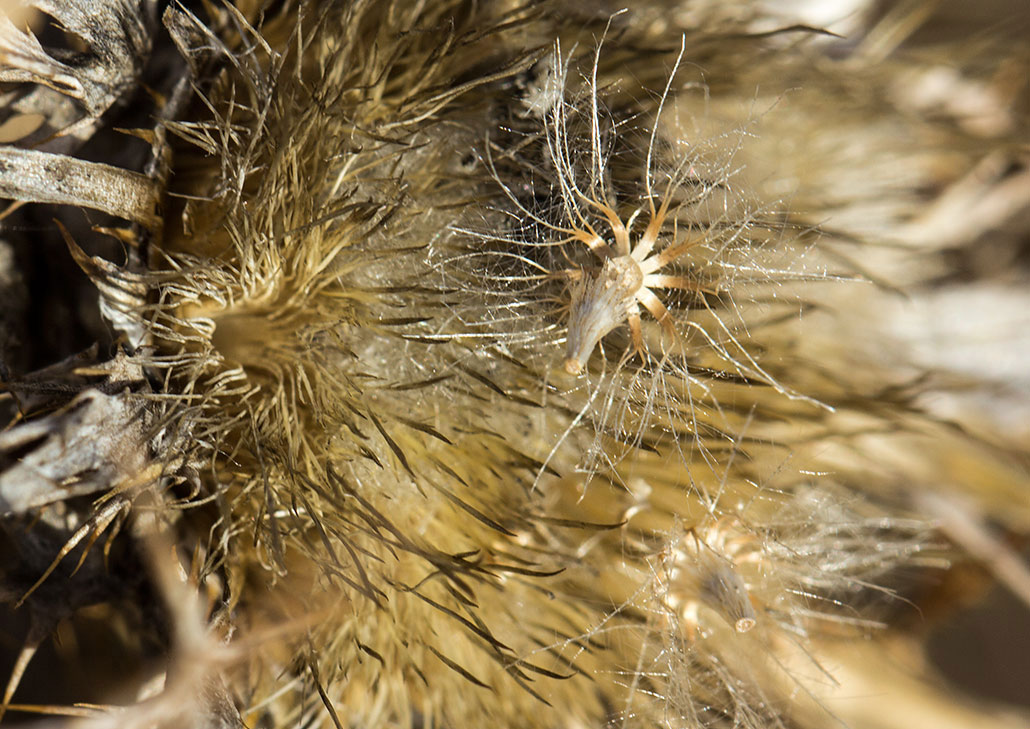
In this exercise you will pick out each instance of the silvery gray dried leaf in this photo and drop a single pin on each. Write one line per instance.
(43, 177)
(122, 292)
(117, 35)
(51, 388)
(96, 443)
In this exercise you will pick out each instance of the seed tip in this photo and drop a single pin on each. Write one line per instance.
(744, 625)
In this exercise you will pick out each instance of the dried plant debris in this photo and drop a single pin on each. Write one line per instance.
(97, 441)
(75, 83)
(72, 87)
(494, 362)
(85, 92)
(34, 176)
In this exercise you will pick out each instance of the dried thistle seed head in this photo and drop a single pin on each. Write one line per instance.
(389, 445)
(601, 304)
(743, 579)
(606, 228)
(703, 569)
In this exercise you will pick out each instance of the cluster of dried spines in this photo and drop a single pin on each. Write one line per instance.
(290, 276)
(399, 439)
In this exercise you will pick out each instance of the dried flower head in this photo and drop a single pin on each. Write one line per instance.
(472, 388)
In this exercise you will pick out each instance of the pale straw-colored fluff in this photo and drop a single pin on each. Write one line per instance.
(519, 346)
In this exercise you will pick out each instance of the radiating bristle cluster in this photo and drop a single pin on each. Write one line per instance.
(623, 223)
(396, 438)
(488, 364)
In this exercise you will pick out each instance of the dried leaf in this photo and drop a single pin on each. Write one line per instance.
(122, 292)
(42, 177)
(97, 443)
(118, 36)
